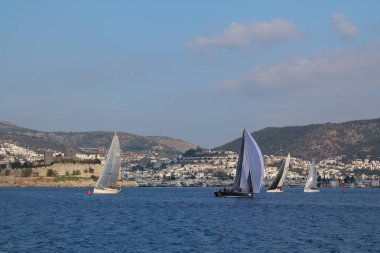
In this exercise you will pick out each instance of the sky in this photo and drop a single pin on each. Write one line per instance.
(200, 71)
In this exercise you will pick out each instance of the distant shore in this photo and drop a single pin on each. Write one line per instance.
(68, 175)
(54, 182)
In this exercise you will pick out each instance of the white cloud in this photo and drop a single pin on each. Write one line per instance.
(342, 26)
(240, 35)
(334, 73)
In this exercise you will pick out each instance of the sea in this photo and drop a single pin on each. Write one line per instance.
(188, 220)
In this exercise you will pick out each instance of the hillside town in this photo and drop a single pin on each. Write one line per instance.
(194, 168)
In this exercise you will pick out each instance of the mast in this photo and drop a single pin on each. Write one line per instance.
(119, 176)
(239, 164)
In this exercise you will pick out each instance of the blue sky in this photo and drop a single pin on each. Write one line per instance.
(195, 70)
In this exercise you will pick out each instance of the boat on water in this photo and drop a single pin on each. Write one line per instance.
(278, 183)
(109, 178)
(249, 170)
(311, 182)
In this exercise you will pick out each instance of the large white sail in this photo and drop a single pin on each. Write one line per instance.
(110, 173)
(311, 182)
(251, 169)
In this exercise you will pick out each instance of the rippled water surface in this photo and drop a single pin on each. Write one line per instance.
(188, 220)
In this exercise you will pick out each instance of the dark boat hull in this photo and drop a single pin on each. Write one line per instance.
(233, 194)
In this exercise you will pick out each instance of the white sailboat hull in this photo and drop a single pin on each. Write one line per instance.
(275, 191)
(107, 191)
(311, 190)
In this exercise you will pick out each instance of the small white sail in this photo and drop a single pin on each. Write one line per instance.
(107, 182)
(311, 182)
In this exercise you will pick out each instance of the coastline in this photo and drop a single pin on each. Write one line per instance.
(54, 182)
(66, 175)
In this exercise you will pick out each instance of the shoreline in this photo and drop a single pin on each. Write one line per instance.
(133, 184)
(53, 182)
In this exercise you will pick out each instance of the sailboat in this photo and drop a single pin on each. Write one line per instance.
(107, 183)
(278, 183)
(249, 170)
(311, 183)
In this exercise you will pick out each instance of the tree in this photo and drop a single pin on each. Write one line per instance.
(76, 172)
(16, 165)
(26, 172)
(27, 164)
(190, 152)
(51, 173)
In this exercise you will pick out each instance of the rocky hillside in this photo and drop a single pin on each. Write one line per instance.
(100, 139)
(354, 139)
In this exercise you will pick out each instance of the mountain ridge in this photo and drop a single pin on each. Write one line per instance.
(354, 139)
(58, 140)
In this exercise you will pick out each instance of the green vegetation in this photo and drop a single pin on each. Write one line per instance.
(76, 172)
(195, 152)
(138, 167)
(349, 179)
(51, 173)
(75, 161)
(66, 178)
(26, 172)
(25, 165)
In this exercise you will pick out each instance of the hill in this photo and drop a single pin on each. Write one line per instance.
(354, 139)
(97, 139)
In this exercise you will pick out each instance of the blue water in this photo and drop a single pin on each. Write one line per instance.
(188, 220)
